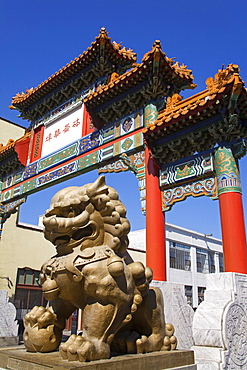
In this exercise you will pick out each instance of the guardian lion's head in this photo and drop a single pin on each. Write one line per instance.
(86, 216)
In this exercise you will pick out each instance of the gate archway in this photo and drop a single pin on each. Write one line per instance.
(102, 111)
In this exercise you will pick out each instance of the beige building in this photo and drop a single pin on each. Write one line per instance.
(22, 247)
(9, 130)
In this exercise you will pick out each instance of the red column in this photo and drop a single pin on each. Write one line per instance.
(231, 211)
(233, 232)
(155, 222)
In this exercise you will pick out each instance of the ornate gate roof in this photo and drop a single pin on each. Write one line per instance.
(218, 114)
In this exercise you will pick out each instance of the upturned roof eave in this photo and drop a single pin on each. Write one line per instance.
(127, 81)
(172, 119)
(199, 101)
(65, 73)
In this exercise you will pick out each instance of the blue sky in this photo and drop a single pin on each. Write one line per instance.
(39, 37)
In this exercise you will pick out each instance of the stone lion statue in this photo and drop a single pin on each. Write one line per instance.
(92, 271)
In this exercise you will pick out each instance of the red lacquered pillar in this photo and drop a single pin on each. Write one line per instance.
(231, 211)
(155, 222)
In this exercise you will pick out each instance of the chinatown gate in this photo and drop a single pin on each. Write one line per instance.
(105, 111)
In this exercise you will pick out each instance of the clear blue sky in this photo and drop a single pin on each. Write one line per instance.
(39, 37)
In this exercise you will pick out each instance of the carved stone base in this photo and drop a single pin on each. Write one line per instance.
(19, 358)
(8, 341)
(8, 323)
(220, 323)
(177, 312)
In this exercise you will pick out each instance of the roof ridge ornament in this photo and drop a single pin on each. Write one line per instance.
(9, 145)
(157, 44)
(180, 69)
(172, 101)
(183, 71)
(223, 77)
(103, 33)
(156, 51)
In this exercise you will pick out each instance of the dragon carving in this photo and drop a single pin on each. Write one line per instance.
(92, 271)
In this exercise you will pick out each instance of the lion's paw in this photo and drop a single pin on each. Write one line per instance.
(40, 316)
(133, 342)
(77, 348)
(150, 343)
(170, 341)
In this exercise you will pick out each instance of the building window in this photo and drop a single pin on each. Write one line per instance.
(28, 276)
(201, 291)
(188, 289)
(205, 261)
(28, 293)
(221, 262)
(211, 258)
(180, 256)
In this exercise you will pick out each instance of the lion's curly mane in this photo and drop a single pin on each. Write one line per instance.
(93, 197)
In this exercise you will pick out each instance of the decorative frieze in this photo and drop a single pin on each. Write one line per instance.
(9, 207)
(58, 157)
(132, 143)
(108, 134)
(53, 175)
(30, 170)
(198, 188)
(28, 186)
(196, 167)
(89, 142)
(88, 161)
(139, 163)
(117, 166)
(106, 153)
(134, 163)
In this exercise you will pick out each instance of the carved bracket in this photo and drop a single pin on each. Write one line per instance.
(198, 188)
(8, 209)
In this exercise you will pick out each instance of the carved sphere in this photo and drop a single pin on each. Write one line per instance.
(138, 299)
(133, 308)
(169, 330)
(41, 340)
(50, 289)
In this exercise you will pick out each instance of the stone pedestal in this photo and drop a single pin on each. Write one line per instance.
(177, 312)
(8, 324)
(220, 324)
(19, 358)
